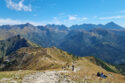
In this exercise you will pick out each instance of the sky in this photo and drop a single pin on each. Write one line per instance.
(67, 12)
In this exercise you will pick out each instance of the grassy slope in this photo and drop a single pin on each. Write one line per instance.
(45, 58)
(121, 68)
(38, 58)
(87, 70)
(103, 64)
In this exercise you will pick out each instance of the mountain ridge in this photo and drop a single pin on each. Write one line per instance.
(109, 25)
(106, 44)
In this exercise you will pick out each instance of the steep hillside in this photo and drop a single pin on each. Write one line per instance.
(36, 58)
(12, 44)
(103, 64)
(104, 44)
(121, 68)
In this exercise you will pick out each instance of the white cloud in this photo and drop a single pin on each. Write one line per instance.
(12, 22)
(112, 17)
(75, 18)
(18, 6)
(84, 18)
(54, 20)
(72, 18)
(9, 21)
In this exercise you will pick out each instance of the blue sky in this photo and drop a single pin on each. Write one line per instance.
(68, 12)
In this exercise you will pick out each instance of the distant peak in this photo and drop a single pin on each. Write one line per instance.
(111, 23)
(27, 24)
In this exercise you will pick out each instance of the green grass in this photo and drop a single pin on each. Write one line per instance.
(106, 66)
(121, 68)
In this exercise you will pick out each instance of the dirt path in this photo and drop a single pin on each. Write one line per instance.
(47, 77)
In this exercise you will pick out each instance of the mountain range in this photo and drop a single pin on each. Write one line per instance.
(110, 25)
(103, 41)
(20, 57)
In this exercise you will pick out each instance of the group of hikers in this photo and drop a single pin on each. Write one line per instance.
(98, 74)
(101, 75)
(72, 67)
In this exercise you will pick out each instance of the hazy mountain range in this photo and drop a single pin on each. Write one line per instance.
(103, 41)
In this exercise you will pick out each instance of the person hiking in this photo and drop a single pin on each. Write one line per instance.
(72, 67)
